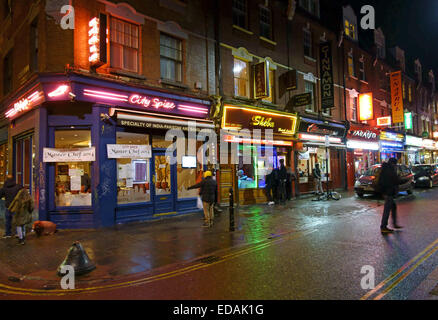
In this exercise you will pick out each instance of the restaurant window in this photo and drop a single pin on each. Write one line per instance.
(351, 71)
(271, 87)
(7, 73)
(310, 87)
(171, 58)
(124, 45)
(189, 171)
(73, 179)
(3, 163)
(240, 13)
(265, 23)
(241, 78)
(307, 43)
(133, 175)
(307, 160)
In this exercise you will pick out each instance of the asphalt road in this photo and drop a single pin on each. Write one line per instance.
(318, 255)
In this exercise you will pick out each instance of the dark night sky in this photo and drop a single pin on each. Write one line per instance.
(410, 24)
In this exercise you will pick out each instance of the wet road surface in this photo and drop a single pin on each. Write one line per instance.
(304, 250)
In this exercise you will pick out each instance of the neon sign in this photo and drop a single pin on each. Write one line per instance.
(366, 106)
(230, 138)
(93, 40)
(151, 102)
(23, 104)
(364, 145)
(61, 90)
(384, 121)
(312, 137)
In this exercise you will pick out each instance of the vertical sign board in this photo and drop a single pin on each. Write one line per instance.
(326, 72)
(396, 97)
(261, 80)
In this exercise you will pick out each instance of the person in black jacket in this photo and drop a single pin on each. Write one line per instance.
(269, 186)
(282, 175)
(207, 191)
(388, 185)
(9, 191)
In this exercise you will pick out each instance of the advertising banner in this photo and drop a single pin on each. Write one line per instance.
(130, 151)
(397, 97)
(69, 155)
(326, 71)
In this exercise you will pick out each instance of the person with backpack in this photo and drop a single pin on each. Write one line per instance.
(22, 207)
(9, 191)
(388, 185)
(207, 191)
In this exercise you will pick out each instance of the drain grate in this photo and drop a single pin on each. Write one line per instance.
(209, 259)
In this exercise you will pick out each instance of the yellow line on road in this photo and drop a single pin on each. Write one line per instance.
(41, 292)
(399, 271)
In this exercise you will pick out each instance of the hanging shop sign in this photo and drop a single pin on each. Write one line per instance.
(300, 100)
(236, 118)
(384, 121)
(261, 80)
(326, 71)
(313, 126)
(69, 155)
(392, 136)
(414, 141)
(366, 106)
(364, 134)
(408, 121)
(435, 134)
(97, 40)
(428, 144)
(396, 97)
(120, 151)
(24, 104)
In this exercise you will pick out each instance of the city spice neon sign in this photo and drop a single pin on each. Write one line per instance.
(148, 102)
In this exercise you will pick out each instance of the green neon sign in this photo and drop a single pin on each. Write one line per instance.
(408, 120)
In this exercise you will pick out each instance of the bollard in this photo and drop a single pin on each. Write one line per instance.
(231, 210)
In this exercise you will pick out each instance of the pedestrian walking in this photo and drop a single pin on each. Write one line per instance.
(389, 185)
(269, 186)
(9, 191)
(21, 208)
(282, 175)
(207, 191)
(290, 178)
(318, 179)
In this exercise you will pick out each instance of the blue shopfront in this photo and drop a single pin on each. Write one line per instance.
(391, 145)
(92, 151)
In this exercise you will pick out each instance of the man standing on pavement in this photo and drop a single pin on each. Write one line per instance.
(269, 186)
(388, 185)
(9, 191)
(317, 176)
(282, 175)
(207, 191)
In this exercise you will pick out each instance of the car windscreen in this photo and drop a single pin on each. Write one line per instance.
(421, 170)
(372, 172)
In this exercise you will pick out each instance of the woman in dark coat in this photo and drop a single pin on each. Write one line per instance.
(22, 207)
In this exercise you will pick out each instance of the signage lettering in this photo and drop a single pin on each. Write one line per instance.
(151, 102)
(397, 97)
(263, 122)
(326, 70)
(365, 134)
(69, 155)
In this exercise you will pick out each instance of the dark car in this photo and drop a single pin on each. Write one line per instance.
(425, 175)
(367, 183)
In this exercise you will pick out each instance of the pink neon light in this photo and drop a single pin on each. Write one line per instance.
(256, 141)
(191, 108)
(195, 111)
(104, 93)
(104, 97)
(58, 91)
(23, 104)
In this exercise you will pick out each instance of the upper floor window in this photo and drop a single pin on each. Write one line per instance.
(241, 78)
(350, 29)
(240, 13)
(307, 42)
(124, 44)
(171, 58)
(353, 108)
(7, 73)
(311, 6)
(310, 87)
(362, 70)
(404, 90)
(265, 23)
(410, 93)
(271, 87)
(351, 70)
(34, 46)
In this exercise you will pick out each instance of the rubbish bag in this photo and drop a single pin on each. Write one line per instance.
(199, 203)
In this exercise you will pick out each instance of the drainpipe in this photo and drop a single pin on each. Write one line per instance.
(345, 115)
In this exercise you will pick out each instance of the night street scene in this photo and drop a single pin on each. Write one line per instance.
(219, 156)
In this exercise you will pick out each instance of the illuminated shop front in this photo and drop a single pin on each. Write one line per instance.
(255, 149)
(311, 149)
(92, 151)
(429, 153)
(391, 146)
(413, 148)
(362, 151)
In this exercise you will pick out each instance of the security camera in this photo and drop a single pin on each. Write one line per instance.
(71, 95)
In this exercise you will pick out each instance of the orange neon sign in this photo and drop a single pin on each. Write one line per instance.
(384, 121)
(93, 40)
(366, 106)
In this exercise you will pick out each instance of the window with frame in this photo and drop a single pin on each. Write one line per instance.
(310, 87)
(265, 23)
(353, 108)
(410, 93)
(171, 58)
(404, 90)
(124, 45)
(241, 78)
(351, 70)
(362, 70)
(271, 87)
(240, 13)
(350, 30)
(72, 179)
(311, 6)
(307, 43)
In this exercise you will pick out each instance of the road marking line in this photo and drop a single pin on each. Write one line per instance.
(41, 292)
(399, 271)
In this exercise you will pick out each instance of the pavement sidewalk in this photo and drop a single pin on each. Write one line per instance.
(129, 250)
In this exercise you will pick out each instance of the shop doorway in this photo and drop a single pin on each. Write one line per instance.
(22, 161)
(163, 184)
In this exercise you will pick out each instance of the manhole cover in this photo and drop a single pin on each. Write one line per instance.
(209, 259)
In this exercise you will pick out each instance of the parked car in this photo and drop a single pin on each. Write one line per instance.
(425, 175)
(367, 183)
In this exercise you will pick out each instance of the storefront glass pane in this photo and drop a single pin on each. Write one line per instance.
(73, 179)
(3, 163)
(133, 175)
(252, 175)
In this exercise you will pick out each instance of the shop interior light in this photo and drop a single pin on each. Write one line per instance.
(366, 106)
(234, 139)
(313, 137)
(364, 145)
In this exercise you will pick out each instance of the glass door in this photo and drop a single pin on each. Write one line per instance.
(23, 155)
(163, 184)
